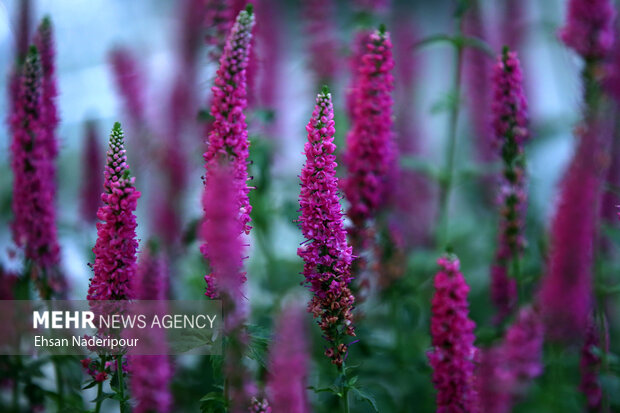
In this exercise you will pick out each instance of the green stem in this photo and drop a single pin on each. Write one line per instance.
(15, 401)
(446, 184)
(345, 390)
(121, 383)
(99, 393)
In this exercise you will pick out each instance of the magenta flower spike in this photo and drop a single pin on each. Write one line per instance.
(130, 83)
(370, 151)
(151, 376)
(358, 49)
(590, 365)
(452, 336)
(589, 28)
(566, 289)
(92, 157)
(289, 363)
(507, 370)
(24, 26)
(322, 39)
(116, 245)
(228, 136)
(32, 163)
(510, 125)
(44, 41)
(327, 257)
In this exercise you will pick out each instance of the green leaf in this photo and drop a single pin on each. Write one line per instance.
(93, 383)
(363, 396)
(103, 396)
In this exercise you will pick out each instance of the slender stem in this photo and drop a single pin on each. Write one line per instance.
(446, 184)
(121, 383)
(15, 402)
(99, 393)
(345, 390)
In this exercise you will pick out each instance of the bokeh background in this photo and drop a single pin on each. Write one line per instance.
(390, 356)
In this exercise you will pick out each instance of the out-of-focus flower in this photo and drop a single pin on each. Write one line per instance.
(260, 406)
(218, 20)
(228, 136)
(327, 257)
(452, 336)
(116, 245)
(130, 82)
(151, 375)
(590, 365)
(507, 369)
(371, 6)
(322, 39)
(92, 158)
(288, 363)
(33, 202)
(566, 290)
(510, 124)
(589, 27)
(370, 151)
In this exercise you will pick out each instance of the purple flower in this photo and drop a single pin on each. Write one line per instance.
(590, 365)
(370, 152)
(510, 124)
(223, 246)
(151, 375)
(322, 39)
(116, 245)
(566, 290)
(130, 83)
(327, 257)
(358, 49)
(452, 337)
(228, 136)
(91, 173)
(589, 27)
(508, 368)
(288, 363)
(22, 40)
(32, 162)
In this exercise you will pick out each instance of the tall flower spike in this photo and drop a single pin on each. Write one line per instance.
(327, 257)
(322, 39)
(589, 27)
(129, 81)
(566, 290)
(228, 137)
(370, 150)
(92, 156)
(34, 222)
(288, 363)
(510, 124)
(151, 374)
(44, 41)
(116, 245)
(452, 337)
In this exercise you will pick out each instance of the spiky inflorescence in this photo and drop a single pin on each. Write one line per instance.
(228, 136)
(510, 124)
(507, 369)
(358, 48)
(116, 245)
(288, 363)
(44, 41)
(566, 289)
(224, 250)
(452, 337)
(130, 84)
(92, 156)
(590, 365)
(34, 222)
(151, 375)
(327, 257)
(589, 27)
(223, 246)
(322, 39)
(370, 150)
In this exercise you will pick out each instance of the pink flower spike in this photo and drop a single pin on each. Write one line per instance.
(92, 157)
(289, 362)
(452, 336)
(116, 246)
(327, 257)
(589, 28)
(228, 136)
